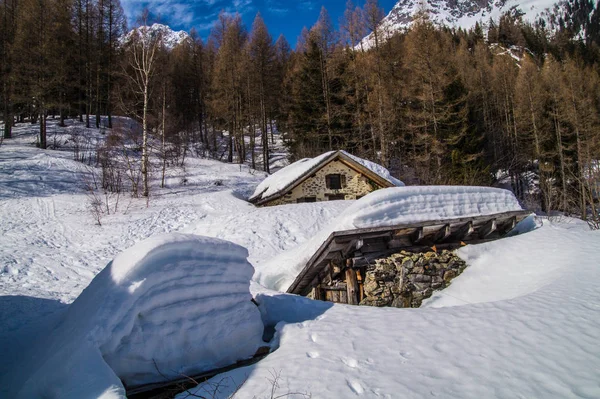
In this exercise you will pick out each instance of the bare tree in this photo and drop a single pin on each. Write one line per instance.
(142, 52)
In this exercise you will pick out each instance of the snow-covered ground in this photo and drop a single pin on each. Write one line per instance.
(523, 320)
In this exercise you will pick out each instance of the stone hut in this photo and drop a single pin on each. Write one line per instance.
(335, 175)
(398, 265)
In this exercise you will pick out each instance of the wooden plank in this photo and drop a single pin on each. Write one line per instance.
(335, 296)
(403, 232)
(488, 228)
(328, 295)
(417, 236)
(374, 247)
(399, 242)
(442, 233)
(521, 214)
(351, 287)
(464, 231)
(343, 297)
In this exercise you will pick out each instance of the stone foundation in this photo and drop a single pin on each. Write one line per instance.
(405, 279)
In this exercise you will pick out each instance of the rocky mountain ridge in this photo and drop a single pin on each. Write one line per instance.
(456, 13)
(169, 37)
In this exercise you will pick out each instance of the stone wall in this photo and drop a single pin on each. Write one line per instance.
(357, 185)
(405, 279)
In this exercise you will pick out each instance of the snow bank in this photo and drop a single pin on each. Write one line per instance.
(169, 306)
(389, 207)
(541, 344)
(283, 177)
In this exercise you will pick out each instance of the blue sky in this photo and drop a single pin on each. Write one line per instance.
(281, 16)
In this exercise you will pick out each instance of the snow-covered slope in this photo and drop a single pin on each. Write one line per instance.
(455, 13)
(169, 37)
(528, 326)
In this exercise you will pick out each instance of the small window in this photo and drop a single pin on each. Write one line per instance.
(335, 197)
(306, 199)
(335, 182)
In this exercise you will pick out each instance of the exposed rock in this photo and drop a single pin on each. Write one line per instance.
(405, 279)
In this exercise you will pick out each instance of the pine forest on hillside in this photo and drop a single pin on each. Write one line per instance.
(515, 100)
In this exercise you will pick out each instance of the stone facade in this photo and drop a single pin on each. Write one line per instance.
(357, 185)
(405, 279)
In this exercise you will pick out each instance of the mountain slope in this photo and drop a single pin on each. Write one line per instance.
(456, 13)
(170, 37)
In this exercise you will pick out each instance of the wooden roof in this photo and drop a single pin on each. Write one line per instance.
(337, 155)
(371, 243)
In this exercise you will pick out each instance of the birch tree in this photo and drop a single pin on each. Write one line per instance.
(142, 52)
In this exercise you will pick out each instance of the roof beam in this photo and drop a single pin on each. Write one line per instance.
(488, 228)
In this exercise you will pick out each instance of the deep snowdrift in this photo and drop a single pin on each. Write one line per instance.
(388, 207)
(542, 343)
(169, 306)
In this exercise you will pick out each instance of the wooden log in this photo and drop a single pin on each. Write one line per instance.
(318, 293)
(359, 262)
(352, 287)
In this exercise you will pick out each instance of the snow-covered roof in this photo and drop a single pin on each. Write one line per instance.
(285, 179)
(391, 207)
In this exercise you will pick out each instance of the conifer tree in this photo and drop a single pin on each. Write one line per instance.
(262, 58)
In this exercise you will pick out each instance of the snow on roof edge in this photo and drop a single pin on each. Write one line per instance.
(286, 177)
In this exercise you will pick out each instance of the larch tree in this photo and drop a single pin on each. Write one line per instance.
(373, 14)
(32, 58)
(262, 57)
(8, 27)
(227, 80)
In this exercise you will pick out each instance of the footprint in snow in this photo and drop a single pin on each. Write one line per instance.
(348, 361)
(355, 386)
(313, 355)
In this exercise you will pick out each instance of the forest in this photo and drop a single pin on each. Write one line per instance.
(508, 100)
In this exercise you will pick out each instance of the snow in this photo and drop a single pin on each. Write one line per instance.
(389, 207)
(283, 177)
(286, 176)
(448, 13)
(171, 305)
(378, 169)
(522, 320)
(538, 340)
(169, 37)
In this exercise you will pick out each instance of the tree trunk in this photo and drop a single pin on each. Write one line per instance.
(42, 128)
(164, 152)
(145, 190)
(8, 118)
